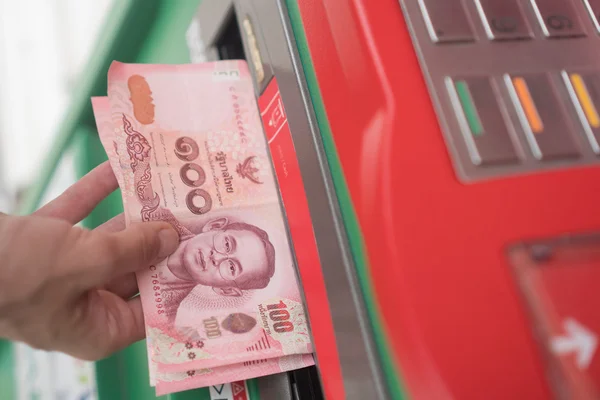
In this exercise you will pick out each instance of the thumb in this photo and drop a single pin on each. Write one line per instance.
(132, 249)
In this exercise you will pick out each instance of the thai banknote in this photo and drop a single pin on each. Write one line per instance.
(177, 382)
(171, 382)
(187, 147)
(107, 130)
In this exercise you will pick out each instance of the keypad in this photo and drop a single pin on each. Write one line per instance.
(516, 82)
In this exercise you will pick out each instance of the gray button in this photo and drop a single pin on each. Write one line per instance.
(482, 123)
(584, 89)
(593, 7)
(558, 18)
(503, 19)
(542, 116)
(446, 21)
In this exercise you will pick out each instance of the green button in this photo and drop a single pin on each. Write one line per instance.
(469, 108)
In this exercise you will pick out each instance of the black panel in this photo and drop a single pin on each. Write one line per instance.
(229, 44)
(305, 384)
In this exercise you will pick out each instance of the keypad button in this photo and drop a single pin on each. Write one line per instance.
(542, 116)
(483, 126)
(447, 21)
(558, 18)
(584, 89)
(503, 19)
(593, 7)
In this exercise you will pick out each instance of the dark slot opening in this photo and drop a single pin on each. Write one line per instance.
(306, 384)
(229, 45)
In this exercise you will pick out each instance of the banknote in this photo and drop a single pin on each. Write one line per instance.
(177, 382)
(107, 129)
(172, 382)
(191, 151)
(107, 133)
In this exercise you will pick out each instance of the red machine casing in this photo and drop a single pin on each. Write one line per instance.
(437, 249)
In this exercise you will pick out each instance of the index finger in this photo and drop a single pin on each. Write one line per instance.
(81, 198)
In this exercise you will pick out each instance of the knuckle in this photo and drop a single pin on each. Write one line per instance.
(107, 250)
(147, 245)
(46, 334)
(16, 266)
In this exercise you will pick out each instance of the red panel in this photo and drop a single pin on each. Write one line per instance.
(456, 323)
(298, 217)
(562, 288)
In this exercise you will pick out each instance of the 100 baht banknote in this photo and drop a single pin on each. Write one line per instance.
(192, 152)
(169, 382)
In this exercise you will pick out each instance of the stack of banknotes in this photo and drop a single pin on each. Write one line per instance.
(187, 146)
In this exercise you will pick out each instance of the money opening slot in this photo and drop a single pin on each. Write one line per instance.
(229, 43)
(305, 384)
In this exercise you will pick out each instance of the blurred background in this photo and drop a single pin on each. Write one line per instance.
(44, 46)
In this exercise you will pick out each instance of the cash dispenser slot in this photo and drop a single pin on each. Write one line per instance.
(302, 384)
(226, 30)
(254, 43)
(229, 44)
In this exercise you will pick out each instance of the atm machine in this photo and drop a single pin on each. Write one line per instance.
(439, 163)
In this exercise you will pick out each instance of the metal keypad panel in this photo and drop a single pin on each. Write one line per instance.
(503, 20)
(515, 83)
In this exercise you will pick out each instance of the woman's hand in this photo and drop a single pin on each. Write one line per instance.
(69, 289)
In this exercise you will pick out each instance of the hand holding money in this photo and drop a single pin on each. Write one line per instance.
(206, 236)
(68, 289)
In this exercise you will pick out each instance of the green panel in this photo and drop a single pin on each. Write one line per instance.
(134, 375)
(8, 383)
(166, 42)
(253, 390)
(391, 371)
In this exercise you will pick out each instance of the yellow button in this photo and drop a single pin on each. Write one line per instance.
(585, 100)
(584, 89)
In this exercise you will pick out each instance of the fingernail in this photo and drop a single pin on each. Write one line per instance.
(169, 240)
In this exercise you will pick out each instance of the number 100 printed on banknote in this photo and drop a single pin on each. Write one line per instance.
(187, 146)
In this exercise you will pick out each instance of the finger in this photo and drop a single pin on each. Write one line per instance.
(107, 324)
(124, 324)
(109, 255)
(124, 286)
(82, 197)
(115, 224)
